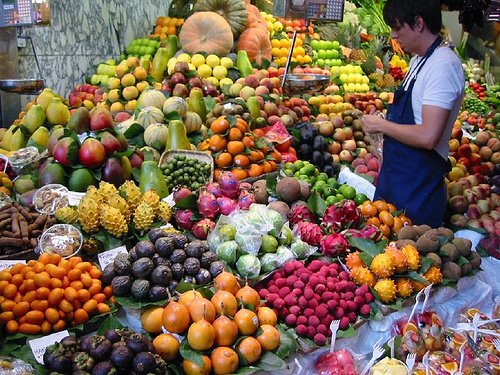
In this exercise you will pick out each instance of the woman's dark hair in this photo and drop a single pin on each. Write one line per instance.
(399, 12)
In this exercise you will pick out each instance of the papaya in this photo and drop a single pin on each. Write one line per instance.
(243, 63)
(39, 139)
(35, 117)
(151, 177)
(196, 103)
(177, 137)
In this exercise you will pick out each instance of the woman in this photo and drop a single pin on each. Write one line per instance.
(419, 122)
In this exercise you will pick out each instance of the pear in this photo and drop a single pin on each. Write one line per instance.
(57, 112)
(35, 117)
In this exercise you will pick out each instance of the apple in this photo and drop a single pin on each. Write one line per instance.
(92, 153)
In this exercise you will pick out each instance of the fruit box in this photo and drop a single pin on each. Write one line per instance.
(198, 155)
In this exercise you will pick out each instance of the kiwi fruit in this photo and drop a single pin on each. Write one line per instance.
(421, 229)
(451, 271)
(449, 251)
(463, 246)
(426, 244)
(475, 259)
(436, 259)
(401, 243)
(448, 233)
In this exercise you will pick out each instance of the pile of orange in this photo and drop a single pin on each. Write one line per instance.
(235, 148)
(47, 294)
(5, 184)
(385, 216)
(231, 322)
(166, 26)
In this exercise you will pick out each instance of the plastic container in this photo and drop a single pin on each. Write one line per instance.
(50, 197)
(25, 160)
(62, 239)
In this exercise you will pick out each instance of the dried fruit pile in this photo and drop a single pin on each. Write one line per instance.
(152, 269)
(50, 294)
(310, 298)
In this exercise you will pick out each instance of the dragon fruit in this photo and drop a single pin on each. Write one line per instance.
(226, 205)
(308, 232)
(201, 228)
(352, 215)
(300, 212)
(246, 199)
(229, 185)
(183, 219)
(181, 193)
(214, 188)
(368, 231)
(207, 204)
(333, 245)
(333, 218)
(246, 186)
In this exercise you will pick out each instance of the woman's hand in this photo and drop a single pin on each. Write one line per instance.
(372, 123)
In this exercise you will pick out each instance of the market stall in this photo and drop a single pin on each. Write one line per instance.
(204, 203)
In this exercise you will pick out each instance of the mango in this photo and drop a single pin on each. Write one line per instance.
(5, 144)
(53, 173)
(81, 179)
(80, 120)
(35, 117)
(57, 112)
(18, 140)
(24, 183)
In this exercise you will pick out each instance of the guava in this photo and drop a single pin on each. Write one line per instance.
(227, 231)
(299, 249)
(227, 251)
(269, 244)
(286, 236)
(284, 255)
(276, 220)
(268, 262)
(248, 266)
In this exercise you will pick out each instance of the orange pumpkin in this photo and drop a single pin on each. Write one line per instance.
(257, 44)
(254, 17)
(208, 32)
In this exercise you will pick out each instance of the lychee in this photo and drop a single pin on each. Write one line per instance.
(273, 289)
(344, 322)
(271, 298)
(279, 303)
(320, 288)
(290, 280)
(291, 320)
(263, 293)
(294, 310)
(308, 293)
(298, 284)
(315, 265)
(365, 309)
(311, 331)
(301, 320)
(351, 306)
(323, 329)
(321, 311)
(289, 267)
(313, 304)
(290, 300)
(338, 313)
(313, 281)
(301, 330)
(302, 302)
(280, 283)
(319, 339)
(308, 312)
(332, 304)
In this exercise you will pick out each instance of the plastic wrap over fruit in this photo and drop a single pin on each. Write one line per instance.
(14, 366)
(440, 363)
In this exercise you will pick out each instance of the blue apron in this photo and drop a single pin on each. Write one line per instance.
(412, 178)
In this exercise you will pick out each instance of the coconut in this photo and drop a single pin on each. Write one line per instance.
(288, 189)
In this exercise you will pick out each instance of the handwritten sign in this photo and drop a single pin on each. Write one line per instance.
(109, 256)
(74, 197)
(38, 346)
(9, 263)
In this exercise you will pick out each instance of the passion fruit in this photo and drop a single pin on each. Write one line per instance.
(202, 308)
(269, 339)
(187, 297)
(226, 331)
(151, 320)
(227, 281)
(224, 303)
(250, 348)
(249, 296)
(201, 335)
(247, 322)
(266, 315)
(166, 346)
(224, 360)
(191, 368)
(175, 317)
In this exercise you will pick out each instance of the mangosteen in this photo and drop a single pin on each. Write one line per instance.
(207, 258)
(216, 268)
(82, 362)
(85, 343)
(133, 254)
(156, 233)
(112, 335)
(137, 343)
(160, 261)
(178, 256)
(194, 249)
(60, 363)
(100, 348)
(70, 343)
(165, 246)
(125, 333)
(161, 275)
(172, 286)
(145, 249)
(160, 365)
(190, 279)
(304, 151)
(122, 357)
(51, 352)
(203, 277)
(104, 368)
(144, 363)
(81, 372)
(192, 266)
(177, 271)
(158, 293)
(180, 240)
(143, 267)
(328, 169)
(122, 264)
(108, 274)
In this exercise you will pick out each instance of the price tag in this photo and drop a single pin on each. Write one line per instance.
(107, 257)
(169, 199)
(74, 197)
(38, 346)
(9, 263)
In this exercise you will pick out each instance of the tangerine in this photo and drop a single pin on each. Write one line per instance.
(202, 308)
(398, 224)
(269, 339)
(241, 160)
(250, 348)
(266, 315)
(386, 230)
(235, 134)
(249, 296)
(191, 368)
(374, 221)
(381, 205)
(368, 209)
(266, 167)
(248, 142)
(219, 125)
(239, 173)
(386, 218)
(226, 331)
(224, 159)
(224, 360)
(217, 143)
(224, 303)
(254, 170)
(235, 147)
(256, 156)
(227, 281)
(151, 320)
(247, 322)
(201, 335)
(175, 317)
(242, 125)
(166, 346)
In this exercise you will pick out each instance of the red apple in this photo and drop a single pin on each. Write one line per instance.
(92, 153)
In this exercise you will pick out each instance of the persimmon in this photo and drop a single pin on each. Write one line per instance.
(380, 205)
(248, 142)
(276, 155)
(374, 221)
(368, 209)
(217, 143)
(386, 218)
(220, 125)
(254, 170)
(242, 125)
(266, 167)
(255, 156)
(235, 134)
(224, 159)
(239, 173)
(235, 147)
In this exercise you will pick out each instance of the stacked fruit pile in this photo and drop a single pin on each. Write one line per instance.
(384, 216)
(86, 95)
(50, 294)
(166, 26)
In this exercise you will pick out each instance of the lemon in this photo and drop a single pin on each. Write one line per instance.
(212, 60)
(278, 26)
(219, 72)
(184, 57)
(197, 59)
(213, 80)
(226, 62)
(204, 71)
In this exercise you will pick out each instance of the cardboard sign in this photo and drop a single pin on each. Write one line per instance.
(109, 256)
(38, 346)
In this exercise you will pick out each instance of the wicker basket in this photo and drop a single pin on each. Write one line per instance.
(198, 155)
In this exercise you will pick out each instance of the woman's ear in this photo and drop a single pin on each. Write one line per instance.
(419, 23)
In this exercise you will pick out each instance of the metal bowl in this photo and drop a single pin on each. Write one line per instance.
(22, 86)
(299, 84)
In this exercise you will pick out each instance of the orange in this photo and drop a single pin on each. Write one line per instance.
(241, 160)
(239, 173)
(235, 147)
(224, 159)
(235, 134)
(368, 209)
(217, 143)
(219, 125)
(255, 170)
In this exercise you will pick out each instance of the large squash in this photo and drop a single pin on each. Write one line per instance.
(233, 11)
(257, 44)
(254, 17)
(206, 32)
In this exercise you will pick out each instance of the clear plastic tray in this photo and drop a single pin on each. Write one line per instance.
(62, 239)
(50, 197)
(25, 160)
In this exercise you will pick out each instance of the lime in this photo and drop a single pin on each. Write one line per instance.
(333, 182)
(347, 191)
(288, 172)
(340, 197)
(322, 177)
(290, 165)
(360, 198)
(296, 174)
(331, 200)
(298, 164)
(328, 191)
(312, 180)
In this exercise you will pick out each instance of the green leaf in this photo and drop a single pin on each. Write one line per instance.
(184, 287)
(133, 131)
(366, 258)
(111, 322)
(190, 354)
(96, 173)
(270, 362)
(412, 275)
(462, 260)
(288, 345)
(127, 153)
(317, 204)
(426, 263)
(271, 182)
(136, 174)
(367, 246)
(24, 353)
(133, 304)
(188, 202)
(349, 332)
(174, 115)
(209, 103)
